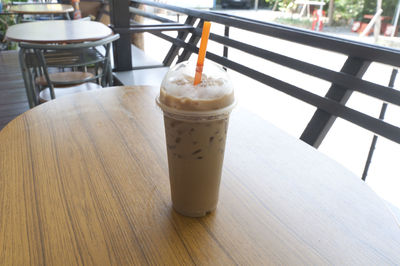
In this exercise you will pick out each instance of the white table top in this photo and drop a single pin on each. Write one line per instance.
(58, 31)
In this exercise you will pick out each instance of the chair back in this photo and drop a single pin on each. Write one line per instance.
(39, 60)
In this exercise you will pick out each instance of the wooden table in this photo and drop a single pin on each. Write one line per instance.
(84, 180)
(58, 31)
(42, 9)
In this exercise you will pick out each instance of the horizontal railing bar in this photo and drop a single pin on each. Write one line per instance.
(367, 122)
(348, 81)
(315, 39)
(142, 13)
(381, 92)
(164, 24)
(148, 67)
(153, 28)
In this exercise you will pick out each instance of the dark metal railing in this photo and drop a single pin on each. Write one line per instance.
(343, 82)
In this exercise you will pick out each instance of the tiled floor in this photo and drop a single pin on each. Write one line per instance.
(13, 100)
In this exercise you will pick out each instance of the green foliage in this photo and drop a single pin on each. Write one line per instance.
(281, 5)
(388, 6)
(347, 9)
(301, 23)
(5, 22)
(354, 9)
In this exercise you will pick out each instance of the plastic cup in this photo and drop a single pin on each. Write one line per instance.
(195, 147)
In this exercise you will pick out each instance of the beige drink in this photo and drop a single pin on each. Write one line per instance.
(196, 122)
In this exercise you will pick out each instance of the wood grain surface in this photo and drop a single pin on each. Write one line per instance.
(58, 31)
(84, 181)
(37, 9)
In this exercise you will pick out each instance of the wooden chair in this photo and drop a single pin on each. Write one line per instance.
(54, 70)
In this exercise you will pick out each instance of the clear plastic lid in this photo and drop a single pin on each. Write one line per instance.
(214, 92)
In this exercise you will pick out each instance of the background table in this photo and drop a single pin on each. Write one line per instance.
(84, 180)
(58, 31)
(41, 9)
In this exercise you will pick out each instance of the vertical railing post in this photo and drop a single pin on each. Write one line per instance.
(120, 20)
(375, 137)
(225, 51)
(226, 34)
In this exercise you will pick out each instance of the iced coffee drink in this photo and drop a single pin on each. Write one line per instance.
(196, 123)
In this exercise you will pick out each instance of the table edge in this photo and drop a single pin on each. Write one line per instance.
(69, 8)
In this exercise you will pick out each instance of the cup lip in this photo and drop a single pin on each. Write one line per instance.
(210, 114)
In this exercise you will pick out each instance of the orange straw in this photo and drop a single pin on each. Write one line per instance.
(202, 52)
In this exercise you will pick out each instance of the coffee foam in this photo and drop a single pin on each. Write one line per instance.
(178, 91)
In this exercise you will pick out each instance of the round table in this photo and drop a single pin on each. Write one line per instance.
(58, 31)
(84, 180)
